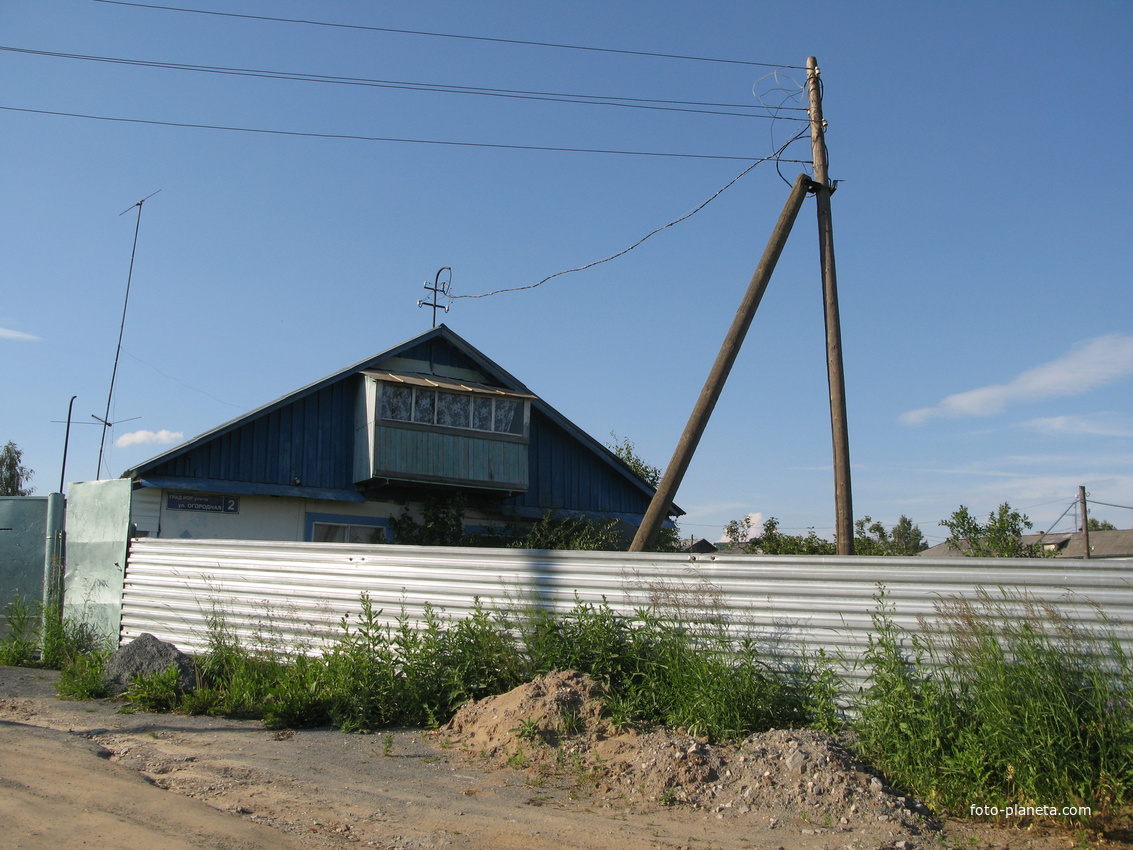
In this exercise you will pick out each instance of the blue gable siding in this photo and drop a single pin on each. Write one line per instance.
(567, 475)
(440, 353)
(310, 439)
(303, 444)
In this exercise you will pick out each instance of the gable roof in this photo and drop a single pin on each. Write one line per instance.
(441, 343)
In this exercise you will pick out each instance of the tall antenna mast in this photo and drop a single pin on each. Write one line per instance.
(438, 289)
(105, 420)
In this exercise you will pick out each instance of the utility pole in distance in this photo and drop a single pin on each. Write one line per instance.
(1085, 520)
(843, 501)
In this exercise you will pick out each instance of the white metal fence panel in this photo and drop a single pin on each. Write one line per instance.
(297, 594)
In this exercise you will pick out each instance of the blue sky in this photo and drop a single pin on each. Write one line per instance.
(981, 226)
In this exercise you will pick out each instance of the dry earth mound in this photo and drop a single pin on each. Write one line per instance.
(555, 724)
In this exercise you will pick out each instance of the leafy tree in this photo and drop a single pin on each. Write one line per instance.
(442, 523)
(906, 537)
(738, 530)
(572, 532)
(14, 476)
(1100, 525)
(668, 539)
(774, 543)
(999, 537)
(872, 538)
(625, 450)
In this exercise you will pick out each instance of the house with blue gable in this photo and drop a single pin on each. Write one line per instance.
(335, 460)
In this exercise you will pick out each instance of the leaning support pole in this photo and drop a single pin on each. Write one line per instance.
(646, 537)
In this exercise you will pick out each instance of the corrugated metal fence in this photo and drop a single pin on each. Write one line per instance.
(298, 593)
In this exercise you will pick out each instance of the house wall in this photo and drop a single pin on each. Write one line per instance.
(310, 445)
(204, 516)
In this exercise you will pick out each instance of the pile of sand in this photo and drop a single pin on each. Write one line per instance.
(555, 725)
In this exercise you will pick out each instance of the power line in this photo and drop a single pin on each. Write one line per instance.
(307, 22)
(443, 88)
(1108, 504)
(359, 138)
(776, 156)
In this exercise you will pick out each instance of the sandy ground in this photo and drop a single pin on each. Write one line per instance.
(76, 774)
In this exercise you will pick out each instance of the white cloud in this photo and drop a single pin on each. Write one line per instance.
(143, 437)
(1095, 425)
(1088, 366)
(7, 333)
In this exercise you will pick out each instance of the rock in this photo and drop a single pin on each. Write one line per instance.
(796, 763)
(145, 655)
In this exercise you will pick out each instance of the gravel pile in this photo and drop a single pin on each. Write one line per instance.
(555, 725)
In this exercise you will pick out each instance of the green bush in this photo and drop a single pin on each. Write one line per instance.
(1005, 702)
(659, 670)
(156, 692)
(84, 676)
(39, 636)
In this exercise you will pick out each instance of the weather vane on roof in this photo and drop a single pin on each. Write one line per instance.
(438, 289)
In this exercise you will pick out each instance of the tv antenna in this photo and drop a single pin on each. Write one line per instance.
(438, 289)
(105, 418)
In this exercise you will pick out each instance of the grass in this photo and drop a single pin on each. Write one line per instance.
(40, 636)
(1001, 702)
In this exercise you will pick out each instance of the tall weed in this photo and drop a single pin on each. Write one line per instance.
(40, 636)
(659, 668)
(376, 675)
(1002, 701)
(20, 647)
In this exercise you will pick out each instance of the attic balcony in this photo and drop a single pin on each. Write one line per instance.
(421, 429)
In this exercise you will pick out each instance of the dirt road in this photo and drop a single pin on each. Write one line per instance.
(78, 774)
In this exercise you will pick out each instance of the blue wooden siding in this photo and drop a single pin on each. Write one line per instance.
(311, 439)
(307, 441)
(418, 455)
(440, 353)
(566, 475)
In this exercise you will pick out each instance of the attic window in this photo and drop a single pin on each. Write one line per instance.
(465, 410)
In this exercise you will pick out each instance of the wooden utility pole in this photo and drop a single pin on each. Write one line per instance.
(843, 501)
(1085, 520)
(646, 537)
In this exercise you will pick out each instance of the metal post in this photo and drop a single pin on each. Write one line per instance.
(66, 442)
(843, 501)
(646, 537)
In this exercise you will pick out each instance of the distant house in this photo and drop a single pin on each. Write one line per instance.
(1103, 544)
(334, 460)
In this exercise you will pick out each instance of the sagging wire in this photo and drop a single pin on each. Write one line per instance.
(706, 108)
(359, 138)
(772, 156)
(791, 90)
